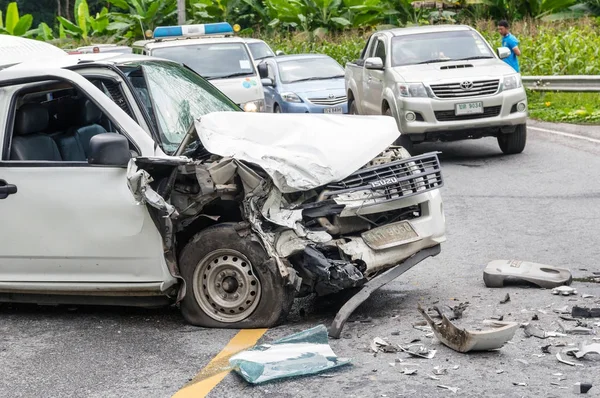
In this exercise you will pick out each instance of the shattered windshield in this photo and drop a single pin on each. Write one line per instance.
(433, 47)
(174, 96)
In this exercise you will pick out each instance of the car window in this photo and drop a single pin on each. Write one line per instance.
(260, 50)
(271, 71)
(212, 61)
(380, 50)
(302, 69)
(174, 96)
(449, 45)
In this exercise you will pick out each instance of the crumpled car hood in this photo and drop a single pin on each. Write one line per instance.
(298, 151)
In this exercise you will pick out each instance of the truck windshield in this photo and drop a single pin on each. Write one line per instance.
(424, 48)
(174, 96)
(213, 60)
(303, 69)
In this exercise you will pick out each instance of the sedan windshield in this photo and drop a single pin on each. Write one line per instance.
(212, 61)
(260, 50)
(426, 48)
(174, 96)
(303, 69)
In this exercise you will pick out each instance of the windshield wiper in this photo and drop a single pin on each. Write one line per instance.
(475, 57)
(228, 76)
(431, 61)
(316, 78)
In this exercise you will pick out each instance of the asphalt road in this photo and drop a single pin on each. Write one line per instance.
(542, 205)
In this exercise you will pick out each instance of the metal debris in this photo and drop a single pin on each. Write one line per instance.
(453, 389)
(584, 312)
(462, 340)
(506, 299)
(458, 310)
(564, 291)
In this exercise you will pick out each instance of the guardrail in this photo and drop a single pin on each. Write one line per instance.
(567, 83)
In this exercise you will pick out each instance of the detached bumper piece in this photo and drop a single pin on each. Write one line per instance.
(396, 180)
(348, 308)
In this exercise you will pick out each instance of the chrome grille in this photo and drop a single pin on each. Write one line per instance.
(395, 180)
(454, 90)
(336, 100)
(448, 116)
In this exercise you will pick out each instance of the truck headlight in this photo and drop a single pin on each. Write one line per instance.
(511, 82)
(290, 97)
(254, 106)
(412, 90)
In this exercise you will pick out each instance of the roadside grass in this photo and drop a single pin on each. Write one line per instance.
(580, 108)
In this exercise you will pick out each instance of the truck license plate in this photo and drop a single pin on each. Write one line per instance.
(470, 108)
(337, 109)
(391, 235)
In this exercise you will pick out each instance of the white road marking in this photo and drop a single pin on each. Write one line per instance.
(579, 137)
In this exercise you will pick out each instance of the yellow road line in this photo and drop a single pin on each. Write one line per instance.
(216, 370)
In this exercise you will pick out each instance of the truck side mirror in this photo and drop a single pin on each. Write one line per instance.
(109, 149)
(374, 63)
(503, 52)
(263, 71)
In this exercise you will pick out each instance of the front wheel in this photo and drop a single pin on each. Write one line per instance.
(353, 110)
(513, 143)
(230, 281)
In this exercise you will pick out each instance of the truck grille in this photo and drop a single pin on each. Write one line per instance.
(400, 179)
(449, 116)
(454, 90)
(329, 101)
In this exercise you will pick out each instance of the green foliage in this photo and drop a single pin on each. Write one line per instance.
(138, 16)
(14, 24)
(565, 107)
(85, 25)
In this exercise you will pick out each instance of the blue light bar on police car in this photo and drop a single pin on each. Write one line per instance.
(218, 28)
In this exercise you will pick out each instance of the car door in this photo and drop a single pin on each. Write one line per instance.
(69, 224)
(375, 78)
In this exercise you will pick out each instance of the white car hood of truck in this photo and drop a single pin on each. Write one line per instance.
(431, 73)
(298, 151)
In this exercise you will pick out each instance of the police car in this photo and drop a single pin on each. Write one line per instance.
(213, 52)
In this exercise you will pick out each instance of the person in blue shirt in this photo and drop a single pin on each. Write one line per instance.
(510, 41)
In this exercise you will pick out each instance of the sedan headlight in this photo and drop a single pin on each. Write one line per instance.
(290, 97)
(412, 90)
(254, 106)
(511, 82)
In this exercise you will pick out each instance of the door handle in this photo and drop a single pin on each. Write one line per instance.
(6, 189)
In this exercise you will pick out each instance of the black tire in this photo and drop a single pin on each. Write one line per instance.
(276, 109)
(272, 300)
(515, 142)
(404, 140)
(352, 109)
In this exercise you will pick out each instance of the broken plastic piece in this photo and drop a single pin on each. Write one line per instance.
(562, 310)
(419, 350)
(304, 353)
(582, 388)
(379, 344)
(586, 349)
(440, 371)
(564, 290)
(499, 271)
(535, 332)
(410, 372)
(462, 340)
(560, 359)
(583, 312)
(453, 389)
(519, 384)
(506, 299)
(546, 349)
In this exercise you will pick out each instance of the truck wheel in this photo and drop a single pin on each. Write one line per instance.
(230, 283)
(404, 140)
(515, 142)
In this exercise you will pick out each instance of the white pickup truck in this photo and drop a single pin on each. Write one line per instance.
(130, 180)
(439, 82)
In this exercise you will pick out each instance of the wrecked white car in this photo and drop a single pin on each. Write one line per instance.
(247, 213)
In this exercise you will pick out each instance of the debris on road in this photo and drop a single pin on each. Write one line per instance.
(562, 310)
(586, 296)
(419, 350)
(498, 272)
(564, 291)
(506, 299)
(304, 353)
(453, 389)
(522, 361)
(378, 344)
(586, 349)
(432, 377)
(560, 359)
(497, 318)
(584, 312)
(576, 330)
(546, 349)
(439, 371)
(535, 317)
(458, 310)
(582, 388)
(530, 330)
(410, 372)
(499, 371)
(519, 384)
(462, 340)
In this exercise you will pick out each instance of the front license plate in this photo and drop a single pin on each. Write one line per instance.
(469, 108)
(337, 109)
(390, 235)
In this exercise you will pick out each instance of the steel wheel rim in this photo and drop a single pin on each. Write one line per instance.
(226, 287)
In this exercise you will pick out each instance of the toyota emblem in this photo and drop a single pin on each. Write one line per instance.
(331, 96)
(466, 85)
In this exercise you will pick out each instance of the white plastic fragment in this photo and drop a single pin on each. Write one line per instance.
(410, 372)
(564, 291)
(519, 384)
(453, 389)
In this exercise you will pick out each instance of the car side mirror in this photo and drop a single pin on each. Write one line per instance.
(374, 63)
(267, 82)
(279, 52)
(503, 52)
(109, 149)
(263, 71)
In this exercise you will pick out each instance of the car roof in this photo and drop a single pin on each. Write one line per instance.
(185, 41)
(295, 57)
(88, 59)
(427, 29)
(14, 50)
